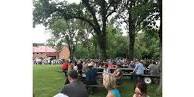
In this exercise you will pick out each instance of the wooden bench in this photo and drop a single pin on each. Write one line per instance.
(93, 88)
(124, 70)
(152, 76)
(97, 86)
(127, 72)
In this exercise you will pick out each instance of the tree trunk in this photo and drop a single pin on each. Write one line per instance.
(131, 43)
(102, 45)
(131, 34)
(70, 51)
(95, 49)
(101, 35)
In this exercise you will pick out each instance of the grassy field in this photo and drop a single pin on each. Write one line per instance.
(49, 80)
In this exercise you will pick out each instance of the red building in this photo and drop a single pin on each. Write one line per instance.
(42, 52)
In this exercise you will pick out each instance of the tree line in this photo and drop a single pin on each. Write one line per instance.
(92, 28)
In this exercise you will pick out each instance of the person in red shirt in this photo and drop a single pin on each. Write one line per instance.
(64, 67)
(110, 65)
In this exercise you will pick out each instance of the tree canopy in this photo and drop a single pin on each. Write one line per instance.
(94, 26)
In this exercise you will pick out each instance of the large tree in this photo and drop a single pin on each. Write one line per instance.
(66, 31)
(133, 13)
(150, 23)
(93, 12)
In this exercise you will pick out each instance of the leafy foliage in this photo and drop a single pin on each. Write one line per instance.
(74, 23)
(147, 45)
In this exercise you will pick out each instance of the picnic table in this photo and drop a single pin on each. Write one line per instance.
(112, 69)
(127, 72)
(124, 70)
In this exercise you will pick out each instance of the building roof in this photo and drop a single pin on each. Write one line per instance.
(43, 49)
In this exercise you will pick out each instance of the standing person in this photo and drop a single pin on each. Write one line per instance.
(153, 69)
(141, 90)
(70, 68)
(64, 67)
(84, 68)
(75, 67)
(132, 65)
(80, 67)
(91, 75)
(75, 88)
(138, 70)
(109, 82)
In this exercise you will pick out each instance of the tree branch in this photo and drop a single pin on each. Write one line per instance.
(112, 4)
(91, 10)
(88, 21)
(111, 12)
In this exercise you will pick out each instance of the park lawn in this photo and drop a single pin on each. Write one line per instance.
(48, 80)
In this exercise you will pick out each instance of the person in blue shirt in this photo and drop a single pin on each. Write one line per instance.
(109, 82)
(138, 70)
(91, 75)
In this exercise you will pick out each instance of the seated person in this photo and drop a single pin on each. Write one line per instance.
(118, 75)
(75, 88)
(109, 82)
(80, 67)
(140, 89)
(106, 69)
(132, 64)
(110, 65)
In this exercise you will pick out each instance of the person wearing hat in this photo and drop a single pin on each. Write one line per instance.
(91, 75)
(75, 88)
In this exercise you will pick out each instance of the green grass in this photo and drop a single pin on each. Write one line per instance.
(48, 80)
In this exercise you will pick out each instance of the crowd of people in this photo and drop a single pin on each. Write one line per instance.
(79, 74)
(138, 66)
(47, 61)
